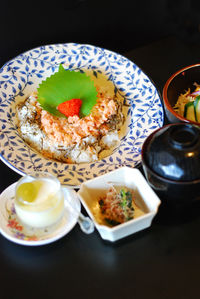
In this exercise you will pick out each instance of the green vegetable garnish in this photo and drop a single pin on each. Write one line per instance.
(189, 111)
(111, 222)
(126, 201)
(65, 85)
(123, 197)
(197, 109)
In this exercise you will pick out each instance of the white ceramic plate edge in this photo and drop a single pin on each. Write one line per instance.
(62, 231)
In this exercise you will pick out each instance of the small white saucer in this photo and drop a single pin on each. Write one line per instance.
(13, 230)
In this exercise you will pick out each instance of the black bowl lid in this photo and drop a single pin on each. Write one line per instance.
(173, 152)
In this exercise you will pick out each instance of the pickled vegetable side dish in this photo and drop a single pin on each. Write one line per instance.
(119, 206)
(188, 104)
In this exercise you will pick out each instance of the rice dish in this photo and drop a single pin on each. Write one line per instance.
(72, 139)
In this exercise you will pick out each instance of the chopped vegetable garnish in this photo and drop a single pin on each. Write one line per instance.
(117, 206)
(66, 85)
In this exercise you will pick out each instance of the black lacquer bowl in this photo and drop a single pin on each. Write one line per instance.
(178, 84)
(171, 163)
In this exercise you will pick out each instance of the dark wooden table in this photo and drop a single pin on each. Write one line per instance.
(160, 262)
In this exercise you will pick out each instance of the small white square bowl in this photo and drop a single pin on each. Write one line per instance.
(91, 191)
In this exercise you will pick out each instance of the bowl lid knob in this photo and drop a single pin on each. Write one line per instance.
(182, 137)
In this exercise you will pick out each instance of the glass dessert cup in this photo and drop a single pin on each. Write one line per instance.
(39, 200)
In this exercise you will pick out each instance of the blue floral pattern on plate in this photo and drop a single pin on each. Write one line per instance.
(21, 75)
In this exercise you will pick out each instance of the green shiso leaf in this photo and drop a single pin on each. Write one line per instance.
(65, 85)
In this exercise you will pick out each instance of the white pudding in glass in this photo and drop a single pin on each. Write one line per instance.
(39, 200)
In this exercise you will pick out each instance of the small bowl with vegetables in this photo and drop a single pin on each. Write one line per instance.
(181, 95)
(120, 203)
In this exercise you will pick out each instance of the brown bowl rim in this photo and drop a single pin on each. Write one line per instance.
(165, 98)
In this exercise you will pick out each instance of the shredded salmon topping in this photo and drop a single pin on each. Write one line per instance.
(73, 129)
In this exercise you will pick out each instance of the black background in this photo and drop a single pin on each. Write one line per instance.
(116, 25)
(161, 262)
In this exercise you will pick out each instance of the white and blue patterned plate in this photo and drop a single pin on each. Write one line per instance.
(142, 106)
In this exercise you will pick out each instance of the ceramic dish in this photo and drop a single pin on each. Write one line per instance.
(13, 230)
(113, 72)
(171, 162)
(91, 191)
(180, 82)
